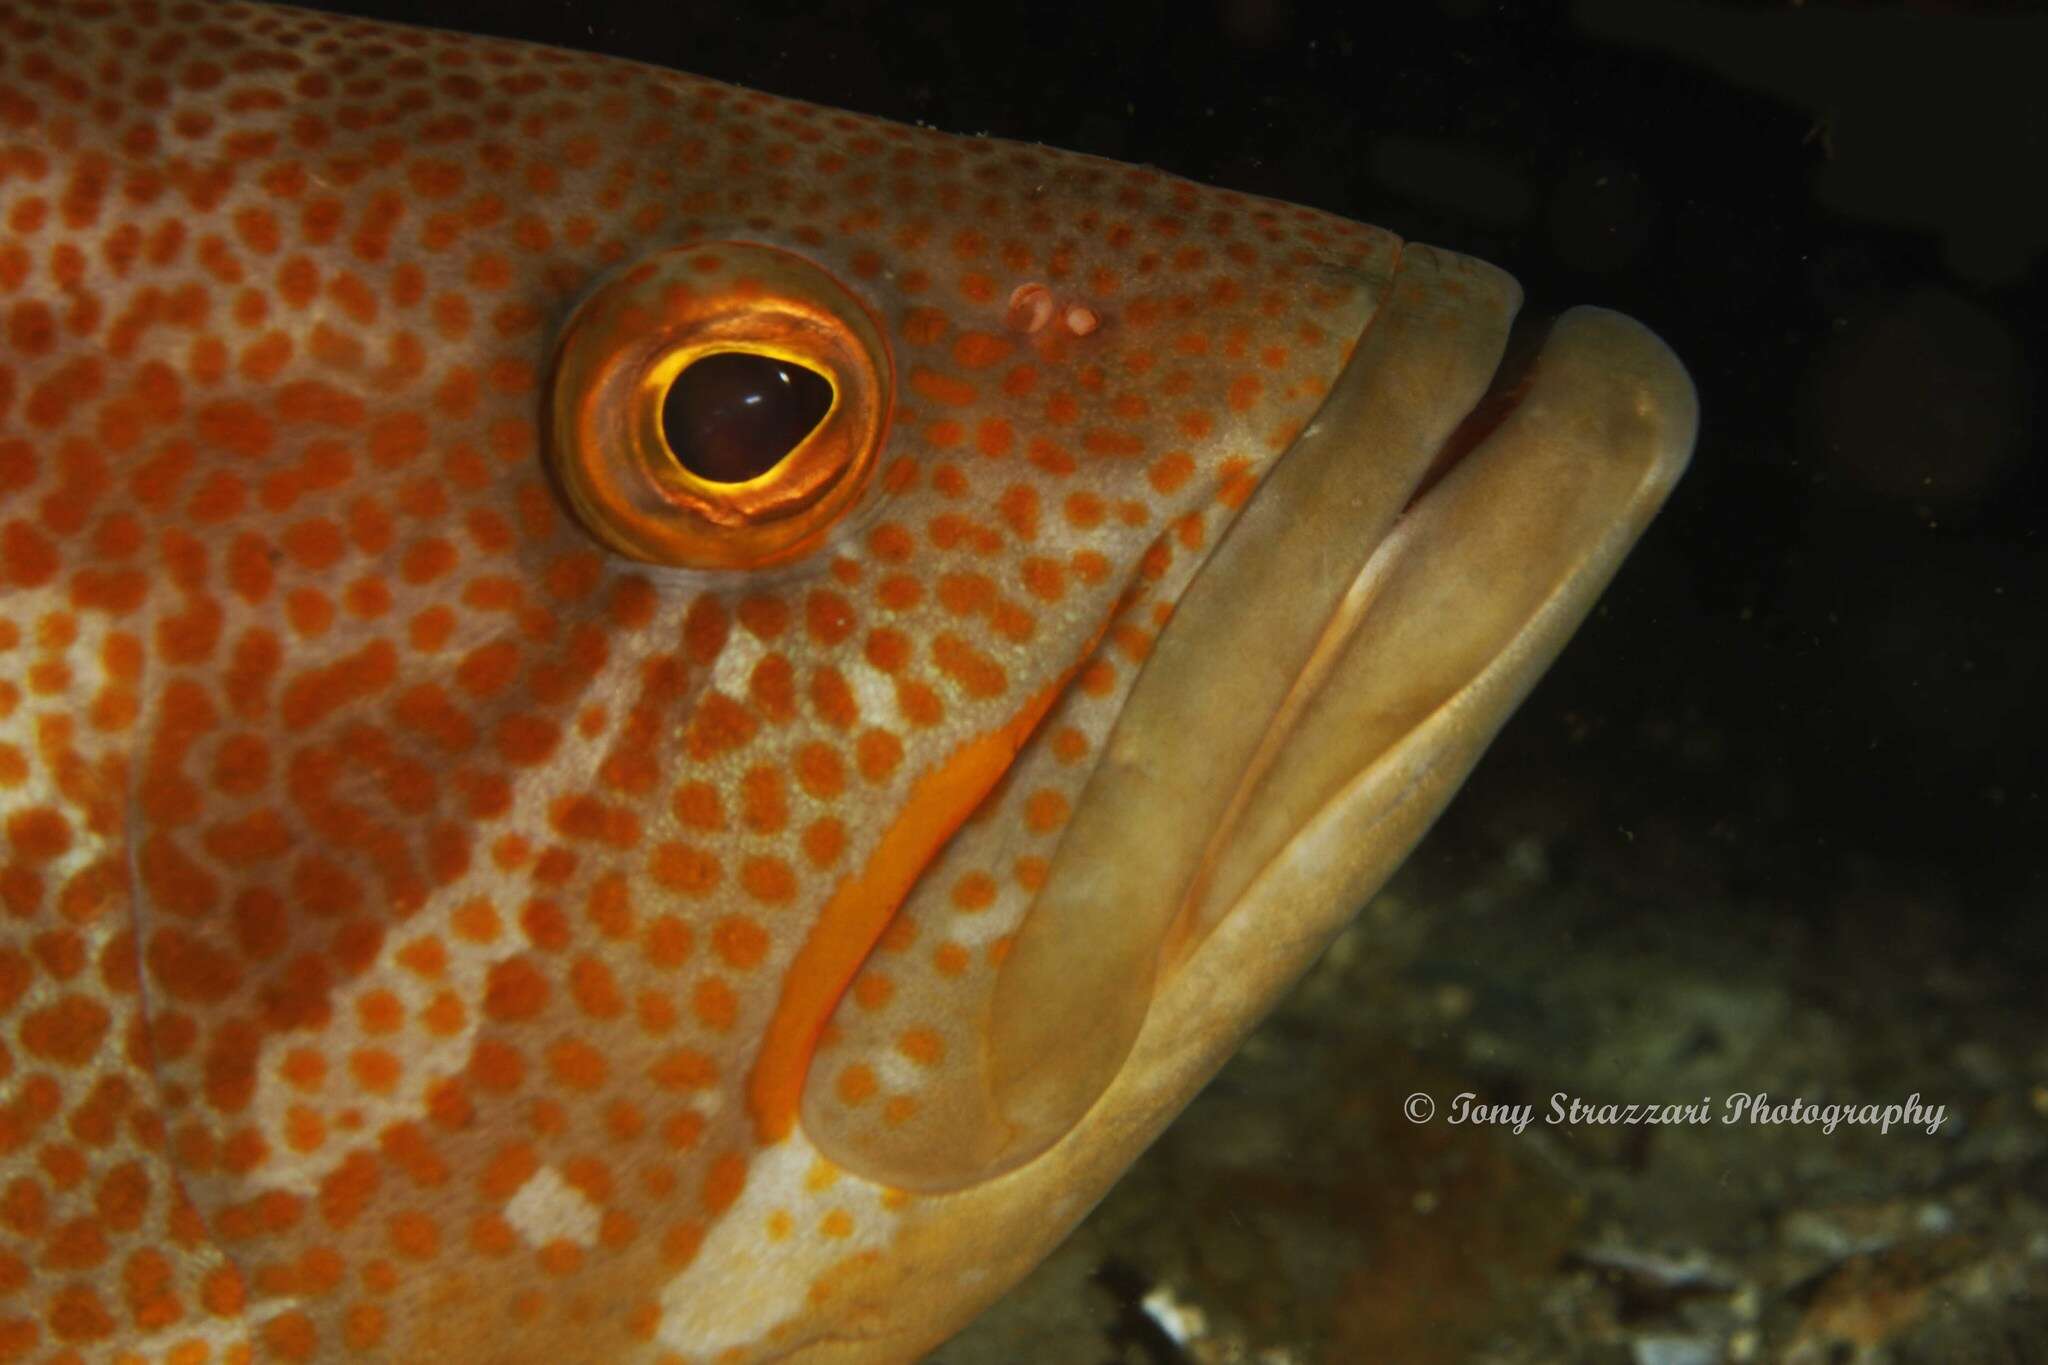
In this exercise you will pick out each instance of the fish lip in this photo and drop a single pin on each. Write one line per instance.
(1514, 345)
(1664, 397)
(1139, 834)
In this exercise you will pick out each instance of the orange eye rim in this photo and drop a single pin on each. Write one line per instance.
(624, 346)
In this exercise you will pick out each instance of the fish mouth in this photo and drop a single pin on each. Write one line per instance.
(1387, 597)
(1377, 609)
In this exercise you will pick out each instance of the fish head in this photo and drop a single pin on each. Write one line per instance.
(720, 708)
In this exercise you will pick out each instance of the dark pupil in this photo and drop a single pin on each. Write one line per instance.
(731, 417)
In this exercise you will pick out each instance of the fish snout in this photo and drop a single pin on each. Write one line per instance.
(1384, 600)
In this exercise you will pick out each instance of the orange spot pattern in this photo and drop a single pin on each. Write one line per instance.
(467, 862)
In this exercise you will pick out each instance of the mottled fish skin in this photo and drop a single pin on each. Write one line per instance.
(396, 887)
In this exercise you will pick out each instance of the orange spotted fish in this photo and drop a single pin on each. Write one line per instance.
(644, 723)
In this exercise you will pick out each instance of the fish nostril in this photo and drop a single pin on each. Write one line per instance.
(734, 415)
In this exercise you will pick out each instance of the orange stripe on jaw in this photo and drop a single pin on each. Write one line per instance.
(862, 905)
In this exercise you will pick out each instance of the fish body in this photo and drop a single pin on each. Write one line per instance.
(477, 886)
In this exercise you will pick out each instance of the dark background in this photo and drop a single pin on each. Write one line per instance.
(1826, 660)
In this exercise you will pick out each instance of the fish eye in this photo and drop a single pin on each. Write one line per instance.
(732, 416)
(717, 406)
